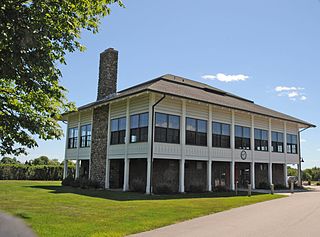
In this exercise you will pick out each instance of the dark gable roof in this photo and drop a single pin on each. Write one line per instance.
(188, 89)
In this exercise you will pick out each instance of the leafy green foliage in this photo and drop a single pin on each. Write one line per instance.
(8, 160)
(35, 35)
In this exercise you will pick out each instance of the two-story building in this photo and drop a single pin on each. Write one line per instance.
(172, 134)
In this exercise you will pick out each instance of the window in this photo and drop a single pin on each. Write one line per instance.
(139, 127)
(260, 140)
(118, 131)
(220, 135)
(73, 138)
(196, 132)
(242, 138)
(292, 144)
(167, 128)
(277, 142)
(85, 139)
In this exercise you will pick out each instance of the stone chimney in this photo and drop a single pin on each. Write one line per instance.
(108, 69)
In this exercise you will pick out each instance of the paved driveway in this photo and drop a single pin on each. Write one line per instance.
(296, 215)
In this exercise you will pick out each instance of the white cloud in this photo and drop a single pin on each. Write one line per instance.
(303, 140)
(225, 78)
(293, 93)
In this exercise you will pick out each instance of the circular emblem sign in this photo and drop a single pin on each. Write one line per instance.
(243, 155)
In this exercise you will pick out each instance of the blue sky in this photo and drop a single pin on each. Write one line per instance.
(271, 44)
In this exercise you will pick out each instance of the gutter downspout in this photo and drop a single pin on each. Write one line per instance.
(300, 170)
(152, 139)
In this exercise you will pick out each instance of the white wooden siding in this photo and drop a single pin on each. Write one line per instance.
(243, 119)
(261, 122)
(139, 104)
(169, 105)
(277, 126)
(118, 109)
(197, 110)
(221, 115)
(292, 128)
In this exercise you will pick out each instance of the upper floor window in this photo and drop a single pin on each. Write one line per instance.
(167, 128)
(277, 142)
(220, 135)
(260, 139)
(292, 142)
(73, 138)
(242, 137)
(196, 132)
(85, 139)
(118, 131)
(139, 127)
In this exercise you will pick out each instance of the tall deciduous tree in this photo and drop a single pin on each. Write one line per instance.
(34, 37)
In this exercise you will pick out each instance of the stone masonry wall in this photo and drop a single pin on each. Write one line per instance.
(99, 144)
(195, 176)
(261, 175)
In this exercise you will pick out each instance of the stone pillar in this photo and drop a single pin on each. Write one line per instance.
(65, 169)
(181, 176)
(77, 168)
(108, 69)
(209, 175)
(107, 178)
(126, 159)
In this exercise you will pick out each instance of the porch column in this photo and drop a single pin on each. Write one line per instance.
(253, 182)
(77, 168)
(209, 174)
(270, 152)
(65, 169)
(183, 145)
(232, 164)
(150, 138)
(126, 161)
(285, 154)
(285, 172)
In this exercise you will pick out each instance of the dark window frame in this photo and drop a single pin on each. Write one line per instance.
(242, 142)
(261, 144)
(85, 140)
(199, 138)
(277, 143)
(73, 137)
(218, 138)
(141, 132)
(166, 134)
(117, 137)
(292, 147)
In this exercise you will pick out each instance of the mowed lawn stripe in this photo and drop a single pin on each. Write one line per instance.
(53, 210)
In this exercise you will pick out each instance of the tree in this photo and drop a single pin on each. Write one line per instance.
(35, 35)
(42, 160)
(8, 160)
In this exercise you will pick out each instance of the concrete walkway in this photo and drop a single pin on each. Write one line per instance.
(13, 227)
(296, 215)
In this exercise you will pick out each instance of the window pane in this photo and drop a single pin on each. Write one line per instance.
(75, 132)
(294, 149)
(289, 138)
(202, 126)
(89, 129)
(238, 131)
(161, 120)
(122, 124)
(264, 135)
(144, 119)
(134, 135)
(280, 147)
(134, 121)
(225, 141)
(246, 143)
(257, 134)
(294, 139)
(191, 124)
(246, 132)
(216, 140)
(174, 122)
(144, 134)
(114, 125)
(238, 143)
(190, 138)
(226, 129)
(280, 137)
(201, 139)
(274, 136)
(114, 138)
(160, 134)
(216, 128)
(122, 135)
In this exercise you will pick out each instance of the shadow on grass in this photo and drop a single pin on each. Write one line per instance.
(131, 196)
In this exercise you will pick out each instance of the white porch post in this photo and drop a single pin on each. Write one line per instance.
(77, 168)
(232, 165)
(107, 183)
(65, 169)
(209, 164)
(253, 181)
(270, 152)
(183, 146)
(150, 138)
(285, 155)
(126, 160)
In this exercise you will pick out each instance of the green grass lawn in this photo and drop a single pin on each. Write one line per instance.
(53, 210)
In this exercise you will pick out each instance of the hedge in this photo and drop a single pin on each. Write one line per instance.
(32, 172)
